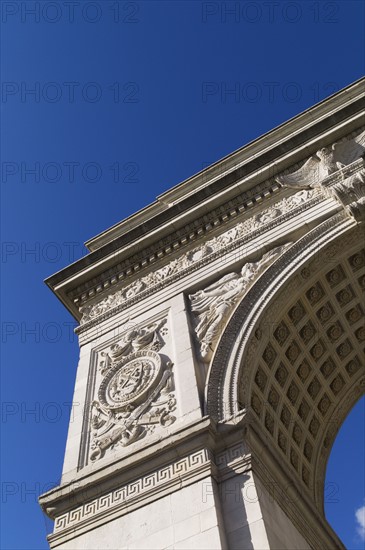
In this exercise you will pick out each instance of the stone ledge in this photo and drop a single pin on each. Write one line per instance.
(217, 452)
(124, 499)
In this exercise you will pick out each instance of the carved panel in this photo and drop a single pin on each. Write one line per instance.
(134, 391)
(338, 171)
(325, 162)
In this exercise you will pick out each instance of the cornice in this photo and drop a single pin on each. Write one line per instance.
(193, 232)
(123, 499)
(126, 263)
(96, 497)
(212, 197)
(204, 179)
(127, 469)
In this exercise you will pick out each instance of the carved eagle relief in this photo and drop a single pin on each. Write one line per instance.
(326, 161)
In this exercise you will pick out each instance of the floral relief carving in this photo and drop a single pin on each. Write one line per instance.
(192, 258)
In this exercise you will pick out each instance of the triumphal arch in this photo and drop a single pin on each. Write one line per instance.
(221, 335)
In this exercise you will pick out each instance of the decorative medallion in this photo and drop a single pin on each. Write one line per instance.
(130, 381)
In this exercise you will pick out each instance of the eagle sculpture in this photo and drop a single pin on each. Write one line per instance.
(326, 161)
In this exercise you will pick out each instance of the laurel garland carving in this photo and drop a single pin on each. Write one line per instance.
(194, 258)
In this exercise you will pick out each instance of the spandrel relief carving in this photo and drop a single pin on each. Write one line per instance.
(135, 390)
(198, 254)
(212, 306)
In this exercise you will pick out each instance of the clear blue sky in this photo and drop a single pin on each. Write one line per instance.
(130, 98)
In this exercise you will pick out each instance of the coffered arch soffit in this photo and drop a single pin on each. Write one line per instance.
(292, 353)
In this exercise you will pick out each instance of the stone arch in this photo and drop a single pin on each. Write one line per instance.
(292, 353)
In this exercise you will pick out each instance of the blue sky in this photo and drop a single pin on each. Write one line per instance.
(105, 105)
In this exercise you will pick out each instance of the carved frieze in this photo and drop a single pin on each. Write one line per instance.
(212, 305)
(194, 258)
(135, 390)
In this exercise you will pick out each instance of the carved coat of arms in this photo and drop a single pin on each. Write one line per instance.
(136, 391)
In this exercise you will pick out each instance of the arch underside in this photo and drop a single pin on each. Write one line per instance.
(292, 353)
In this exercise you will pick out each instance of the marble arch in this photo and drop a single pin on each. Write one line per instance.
(221, 339)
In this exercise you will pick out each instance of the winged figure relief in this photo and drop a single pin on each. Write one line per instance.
(326, 161)
(212, 305)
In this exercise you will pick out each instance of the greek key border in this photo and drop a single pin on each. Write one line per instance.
(122, 496)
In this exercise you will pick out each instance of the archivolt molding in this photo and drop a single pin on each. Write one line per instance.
(199, 256)
(295, 358)
(308, 361)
